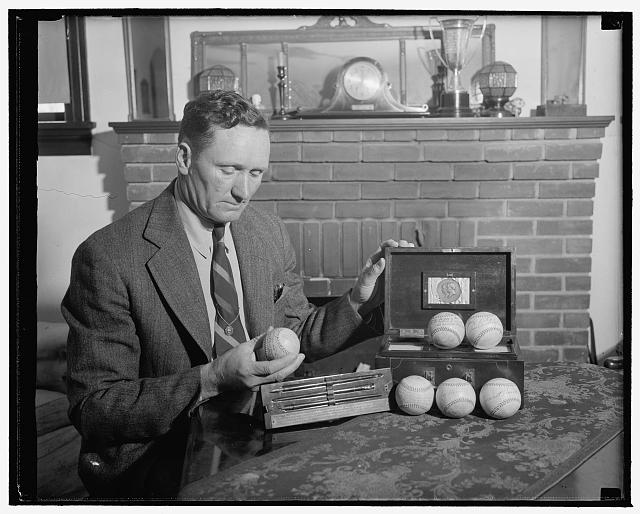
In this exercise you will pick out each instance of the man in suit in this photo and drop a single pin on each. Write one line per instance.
(150, 335)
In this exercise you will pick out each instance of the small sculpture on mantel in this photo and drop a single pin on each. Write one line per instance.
(256, 100)
(560, 106)
(559, 100)
(515, 106)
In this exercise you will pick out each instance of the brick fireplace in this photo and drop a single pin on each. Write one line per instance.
(342, 186)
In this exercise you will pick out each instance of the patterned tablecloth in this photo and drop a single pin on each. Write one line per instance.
(571, 410)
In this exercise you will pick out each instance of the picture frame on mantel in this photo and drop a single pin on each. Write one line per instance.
(314, 54)
(563, 62)
(148, 66)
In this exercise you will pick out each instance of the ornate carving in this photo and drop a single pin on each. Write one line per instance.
(343, 22)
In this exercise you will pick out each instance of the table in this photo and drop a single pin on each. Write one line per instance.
(564, 444)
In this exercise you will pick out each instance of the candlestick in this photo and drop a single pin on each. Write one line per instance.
(282, 86)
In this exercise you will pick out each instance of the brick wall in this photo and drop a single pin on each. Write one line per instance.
(343, 186)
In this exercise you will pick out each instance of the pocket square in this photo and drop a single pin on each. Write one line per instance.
(277, 292)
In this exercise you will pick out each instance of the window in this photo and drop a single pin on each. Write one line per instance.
(63, 100)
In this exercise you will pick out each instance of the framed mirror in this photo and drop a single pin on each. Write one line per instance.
(314, 54)
(148, 62)
(563, 63)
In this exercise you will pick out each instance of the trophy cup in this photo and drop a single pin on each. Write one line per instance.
(456, 35)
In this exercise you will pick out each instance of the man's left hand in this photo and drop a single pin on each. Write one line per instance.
(368, 291)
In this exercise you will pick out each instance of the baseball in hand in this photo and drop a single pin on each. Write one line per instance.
(277, 343)
(445, 330)
(484, 330)
(414, 395)
(500, 398)
(455, 398)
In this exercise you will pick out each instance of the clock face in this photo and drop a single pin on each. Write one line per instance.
(362, 80)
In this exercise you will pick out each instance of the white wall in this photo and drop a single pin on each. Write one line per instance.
(603, 97)
(79, 194)
(65, 219)
(72, 203)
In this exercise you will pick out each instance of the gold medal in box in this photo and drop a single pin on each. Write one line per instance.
(450, 313)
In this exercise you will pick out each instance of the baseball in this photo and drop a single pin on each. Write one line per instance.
(414, 395)
(278, 343)
(455, 398)
(446, 330)
(484, 330)
(500, 398)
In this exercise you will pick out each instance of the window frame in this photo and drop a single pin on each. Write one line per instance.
(73, 135)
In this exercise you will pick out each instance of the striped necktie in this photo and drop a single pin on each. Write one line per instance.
(229, 331)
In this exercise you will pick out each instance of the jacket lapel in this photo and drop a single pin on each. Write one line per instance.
(256, 273)
(174, 270)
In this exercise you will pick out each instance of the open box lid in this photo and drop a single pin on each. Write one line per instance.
(419, 283)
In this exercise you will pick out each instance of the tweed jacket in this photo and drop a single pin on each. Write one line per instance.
(139, 331)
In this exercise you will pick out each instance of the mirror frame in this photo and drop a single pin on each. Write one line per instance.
(132, 92)
(326, 29)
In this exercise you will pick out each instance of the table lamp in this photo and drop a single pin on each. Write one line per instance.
(497, 82)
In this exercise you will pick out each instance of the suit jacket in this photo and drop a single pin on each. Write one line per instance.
(139, 333)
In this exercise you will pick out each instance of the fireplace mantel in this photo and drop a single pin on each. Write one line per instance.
(150, 127)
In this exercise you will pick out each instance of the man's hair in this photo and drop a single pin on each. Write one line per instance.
(215, 110)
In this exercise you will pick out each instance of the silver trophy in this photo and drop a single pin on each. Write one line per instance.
(456, 37)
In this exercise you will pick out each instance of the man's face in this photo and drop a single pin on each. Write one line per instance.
(223, 176)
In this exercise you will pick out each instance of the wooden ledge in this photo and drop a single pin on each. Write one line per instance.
(65, 138)
(387, 124)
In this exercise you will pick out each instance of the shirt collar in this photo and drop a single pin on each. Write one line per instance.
(198, 231)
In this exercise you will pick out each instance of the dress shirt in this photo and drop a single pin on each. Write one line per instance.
(199, 236)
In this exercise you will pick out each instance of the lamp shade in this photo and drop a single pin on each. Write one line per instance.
(497, 80)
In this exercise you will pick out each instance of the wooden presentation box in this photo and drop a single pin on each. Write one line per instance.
(420, 283)
(316, 399)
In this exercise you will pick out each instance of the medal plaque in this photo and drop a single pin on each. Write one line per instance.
(420, 283)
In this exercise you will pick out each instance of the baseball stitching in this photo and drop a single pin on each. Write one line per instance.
(413, 389)
(440, 329)
(486, 331)
(279, 348)
(412, 405)
(466, 401)
(458, 400)
(503, 403)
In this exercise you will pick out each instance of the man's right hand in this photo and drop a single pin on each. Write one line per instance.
(238, 368)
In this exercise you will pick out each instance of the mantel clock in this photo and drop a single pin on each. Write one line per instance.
(362, 86)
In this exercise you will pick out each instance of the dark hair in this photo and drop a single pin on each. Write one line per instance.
(216, 109)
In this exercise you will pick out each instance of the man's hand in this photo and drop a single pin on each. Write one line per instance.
(239, 369)
(368, 292)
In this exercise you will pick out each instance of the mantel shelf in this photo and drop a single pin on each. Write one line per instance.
(296, 125)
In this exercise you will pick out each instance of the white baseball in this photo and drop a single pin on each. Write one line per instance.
(278, 343)
(500, 398)
(414, 395)
(484, 330)
(446, 330)
(455, 398)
